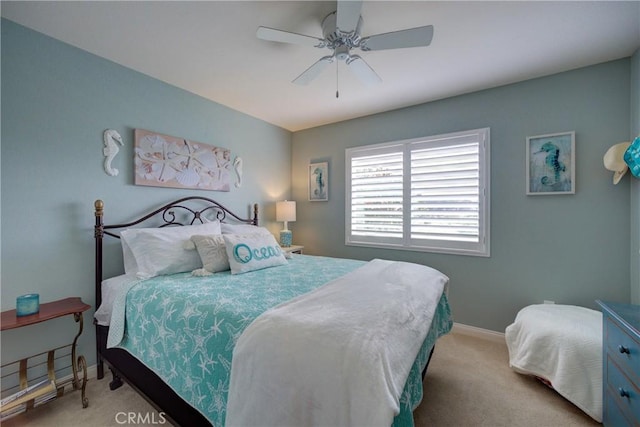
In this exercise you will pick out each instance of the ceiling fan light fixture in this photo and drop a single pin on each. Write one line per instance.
(342, 53)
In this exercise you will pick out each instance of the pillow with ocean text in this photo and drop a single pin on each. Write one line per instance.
(252, 252)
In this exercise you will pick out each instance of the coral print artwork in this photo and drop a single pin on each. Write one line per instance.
(168, 161)
(551, 164)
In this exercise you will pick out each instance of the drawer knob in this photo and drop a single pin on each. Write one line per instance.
(622, 349)
(623, 392)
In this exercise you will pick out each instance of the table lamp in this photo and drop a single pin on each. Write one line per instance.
(285, 212)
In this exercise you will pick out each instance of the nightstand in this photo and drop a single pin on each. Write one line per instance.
(293, 249)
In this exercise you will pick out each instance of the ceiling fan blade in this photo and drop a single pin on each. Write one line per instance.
(271, 34)
(348, 15)
(413, 37)
(362, 70)
(314, 71)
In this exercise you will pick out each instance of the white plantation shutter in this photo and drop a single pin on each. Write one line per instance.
(428, 194)
(376, 195)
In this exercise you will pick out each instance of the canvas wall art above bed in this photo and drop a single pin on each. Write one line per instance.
(168, 161)
(222, 329)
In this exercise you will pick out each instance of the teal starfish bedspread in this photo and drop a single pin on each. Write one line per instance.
(184, 328)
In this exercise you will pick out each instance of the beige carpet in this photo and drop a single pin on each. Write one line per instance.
(468, 383)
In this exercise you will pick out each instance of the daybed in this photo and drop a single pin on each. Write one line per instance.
(313, 340)
(562, 346)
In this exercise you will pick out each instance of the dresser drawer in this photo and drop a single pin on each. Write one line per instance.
(613, 413)
(622, 390)
(623, 348)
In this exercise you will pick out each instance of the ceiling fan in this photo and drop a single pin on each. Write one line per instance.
(341, 31)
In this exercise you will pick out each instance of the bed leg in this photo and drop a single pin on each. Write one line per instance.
(100, 344)
(117, 381)
(424, 371)
(100, 368)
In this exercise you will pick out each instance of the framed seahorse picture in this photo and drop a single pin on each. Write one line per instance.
(319, 182)
(551, 164)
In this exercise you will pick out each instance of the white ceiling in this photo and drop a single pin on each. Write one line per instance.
(210, 48)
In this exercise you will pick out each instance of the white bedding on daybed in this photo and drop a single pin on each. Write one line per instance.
(563, 345)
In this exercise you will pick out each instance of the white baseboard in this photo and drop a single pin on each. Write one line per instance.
(461, 329)
(92, 374)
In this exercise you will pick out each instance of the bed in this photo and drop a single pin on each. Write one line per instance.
(172, 329)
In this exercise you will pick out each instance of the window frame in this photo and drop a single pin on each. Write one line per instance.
(480, 248)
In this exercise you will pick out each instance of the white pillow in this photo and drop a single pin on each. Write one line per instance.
(130, 265)
(252, 252)
(150, 252)
(212, 252)
(243, 229)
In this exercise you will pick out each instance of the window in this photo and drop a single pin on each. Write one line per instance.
(427, 194)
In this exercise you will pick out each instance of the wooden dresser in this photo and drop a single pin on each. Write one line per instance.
(621, 364)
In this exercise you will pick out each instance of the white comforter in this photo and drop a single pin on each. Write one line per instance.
(563, 345)
(337, 356)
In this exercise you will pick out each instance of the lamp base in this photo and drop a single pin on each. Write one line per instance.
(286, 237)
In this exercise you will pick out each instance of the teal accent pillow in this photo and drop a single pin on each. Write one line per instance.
(252, 252)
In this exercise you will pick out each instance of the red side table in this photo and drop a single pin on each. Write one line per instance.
(26, 398)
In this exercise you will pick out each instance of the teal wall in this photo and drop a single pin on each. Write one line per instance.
(56, 102)
(635, 183)
(572, 249)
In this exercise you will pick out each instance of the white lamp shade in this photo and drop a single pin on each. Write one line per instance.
(285, 211)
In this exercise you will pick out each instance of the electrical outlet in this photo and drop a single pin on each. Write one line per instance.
(549, 301)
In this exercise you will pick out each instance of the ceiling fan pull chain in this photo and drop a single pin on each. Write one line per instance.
(337, 87)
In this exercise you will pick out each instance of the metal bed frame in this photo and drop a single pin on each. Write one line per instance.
(123, 366)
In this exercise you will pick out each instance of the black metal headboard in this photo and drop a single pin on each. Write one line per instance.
(185, 211)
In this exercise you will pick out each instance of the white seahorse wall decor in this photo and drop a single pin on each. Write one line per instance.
(111, 137)
(237, 165)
